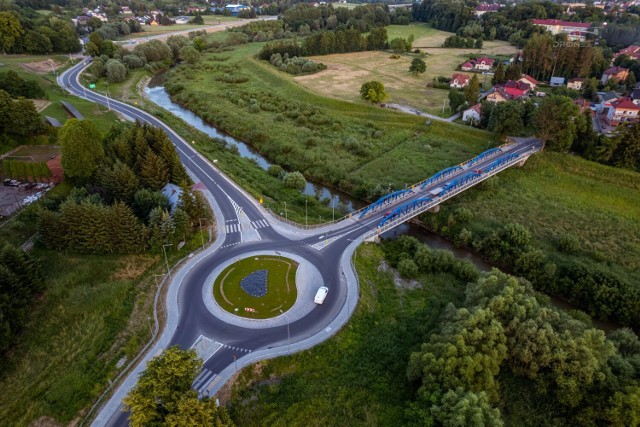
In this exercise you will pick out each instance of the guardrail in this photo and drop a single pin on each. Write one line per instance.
(439, 199)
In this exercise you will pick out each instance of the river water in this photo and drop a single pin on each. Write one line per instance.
(156, 93)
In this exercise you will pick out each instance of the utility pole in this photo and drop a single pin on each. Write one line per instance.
(286, 217)
(201, 238)
(166, 260)
(333, 209)
(306, 222)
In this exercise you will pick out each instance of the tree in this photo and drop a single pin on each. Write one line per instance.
(557, 121)
(499, 75)
(163, 394)
(197, 20)
(10, 31)
(295, 180)
(153, 171)
(472, 91)
(81, 148)
(630, 82)
(627, 151)
(116, 71)
(189, 55)
(417, 66)
(506, 118)
(460, 408)
(398, 45)
(200, 43)
(456, 100)
(373, 92)
(377, 38)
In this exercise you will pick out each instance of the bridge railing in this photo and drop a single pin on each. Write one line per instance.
(457, 190)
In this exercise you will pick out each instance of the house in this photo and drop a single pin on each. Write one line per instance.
(529, 80)
(583, 104)
(632, 52)
(236, 8)
(182, 19)
(510, 91)
(172, 192)
(483, 8)
(472, 114)
(468, 66)
(575, 83)
(458, 81)
(575, 30)
(604, 101)
(622, 111)
(614, 73)
(556, 81)
(483, 64)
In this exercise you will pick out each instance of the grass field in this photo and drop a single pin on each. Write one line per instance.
(357, 378)
(281, 287)
(347, 72)
(149, 30)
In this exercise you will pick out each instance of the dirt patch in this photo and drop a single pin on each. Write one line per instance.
(134, 266)
(41, 104)
(397, 280)
(45, 422)
(41, 67)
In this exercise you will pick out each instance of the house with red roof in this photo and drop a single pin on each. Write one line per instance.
(575, 30)
(484, 64)
(620, 74)
(458, 81)
(632, 52)
(529, 80)
(510, 91)
(468, 66)
(622, 110)
(483, 8)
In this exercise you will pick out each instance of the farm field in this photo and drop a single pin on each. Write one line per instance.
(150, 30)
(346, 72)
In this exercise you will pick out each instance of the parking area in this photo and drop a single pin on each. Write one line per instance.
(15, 194)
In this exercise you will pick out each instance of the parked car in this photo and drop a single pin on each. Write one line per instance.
(321, 295)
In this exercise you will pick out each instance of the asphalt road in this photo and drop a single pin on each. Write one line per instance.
(232, 204)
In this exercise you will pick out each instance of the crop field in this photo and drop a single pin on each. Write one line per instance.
(346, 72)
(276, 291)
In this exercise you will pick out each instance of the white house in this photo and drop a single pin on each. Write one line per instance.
(472, 115)
(575, 84)
(622, 111)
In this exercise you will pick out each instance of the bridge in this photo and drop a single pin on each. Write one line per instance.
(427, 195)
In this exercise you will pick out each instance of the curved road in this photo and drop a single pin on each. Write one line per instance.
(241, 222)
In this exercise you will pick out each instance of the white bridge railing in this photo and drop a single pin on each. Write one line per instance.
(438, 200)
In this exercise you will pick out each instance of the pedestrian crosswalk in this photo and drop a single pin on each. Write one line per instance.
(202, 381)
(233, 228)
(261, 223)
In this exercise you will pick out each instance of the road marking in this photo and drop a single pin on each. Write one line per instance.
(261, 223)
(205, 347)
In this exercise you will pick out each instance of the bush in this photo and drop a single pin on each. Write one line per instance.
(407, 268)
(133, 61)
(295, 180)
(275, 171)
(116, 71)
(568, 243)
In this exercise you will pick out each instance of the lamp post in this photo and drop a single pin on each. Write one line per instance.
(333, 209)
(149, 323)
(166, 260)
(201, 237)
(306, 222)
(286, 217)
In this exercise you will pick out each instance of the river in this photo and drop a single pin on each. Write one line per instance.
(156, 93)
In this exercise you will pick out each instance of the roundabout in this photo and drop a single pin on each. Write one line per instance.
(262, 289)
(258, 287)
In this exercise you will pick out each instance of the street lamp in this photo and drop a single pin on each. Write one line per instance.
(286, 217)
(166, 261)
(149, 323)
(201, 237)
(306, 222)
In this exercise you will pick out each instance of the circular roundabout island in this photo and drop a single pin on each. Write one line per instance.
(257, 287)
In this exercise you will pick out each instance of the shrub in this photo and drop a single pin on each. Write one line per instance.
(295, 180)
(407, 268)
(275, 170)
(568, 243)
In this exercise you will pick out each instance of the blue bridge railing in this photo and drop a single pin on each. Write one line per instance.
(483, 156)
(384, 200)
(501, 161)
(405, 208)
(440, 176)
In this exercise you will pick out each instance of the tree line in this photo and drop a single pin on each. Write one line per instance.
(30, 32)
(117, 206)
(18, 118)
(17, 87)
(16, 169)
(504, 328)
(20, 282)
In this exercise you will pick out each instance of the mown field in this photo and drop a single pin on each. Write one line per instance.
(347, 72)
(150, 30)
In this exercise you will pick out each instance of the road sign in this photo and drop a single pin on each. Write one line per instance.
(92, 86)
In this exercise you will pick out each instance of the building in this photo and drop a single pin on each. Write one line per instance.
(182, 19)
(458, 81)
(172, 192)
(483, 8)
(605, 100)
(472, 114)
(556, 81)
(575, 30)
(236, 8)
(622, 111)
(618, 73)
(575, 84)
(529, 80)
(583, 104)
(479, 64)
(632, 52)
(510, 91)
(635, 96)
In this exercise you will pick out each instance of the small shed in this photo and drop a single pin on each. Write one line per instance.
(172, 192)
(556, 81)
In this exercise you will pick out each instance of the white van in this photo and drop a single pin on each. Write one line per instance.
(321, 295)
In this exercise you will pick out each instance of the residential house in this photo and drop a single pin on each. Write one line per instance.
(632, 52)
(604, 101)
(575, 83)
(472, 114)
(622, 111)
(620, 74)
(483, 64)
(172, 192)
(483, 8)
(468, 66)
(458, 81)
(575, 30)
(556, 81)
(529, 80)
(236, 8)
(509, 91)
